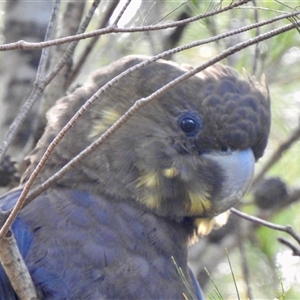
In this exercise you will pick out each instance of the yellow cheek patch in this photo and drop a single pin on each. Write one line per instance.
(170, 172)
(150, 186)
(199, 203)
(108, 118)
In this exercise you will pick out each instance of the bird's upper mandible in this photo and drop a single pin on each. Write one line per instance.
(189, 153)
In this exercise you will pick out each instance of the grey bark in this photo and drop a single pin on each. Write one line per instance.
(24, 20)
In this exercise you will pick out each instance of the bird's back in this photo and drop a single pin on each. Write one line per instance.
(82, 246)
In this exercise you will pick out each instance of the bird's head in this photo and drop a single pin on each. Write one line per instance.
(189, 153)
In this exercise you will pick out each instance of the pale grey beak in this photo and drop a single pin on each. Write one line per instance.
(238, 169)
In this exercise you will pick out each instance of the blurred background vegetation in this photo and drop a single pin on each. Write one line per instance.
(262, 267)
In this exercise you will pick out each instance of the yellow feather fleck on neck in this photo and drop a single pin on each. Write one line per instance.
(152, 201)
(170, 172)
(199, 203)
(149, 180)
(108, 118)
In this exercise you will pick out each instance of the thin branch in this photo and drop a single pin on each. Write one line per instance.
(170, 13)
(67, 26)
(295, 249)
(49, 34)
(15, 268)
(121, 13)
(70, 50)
(39, 87)
(89, 47)
(287, 229)
(256, 52)
(23, 45)
(27, 46)
(261, 8)
(10, 256)
(284, 4)
(35, 94)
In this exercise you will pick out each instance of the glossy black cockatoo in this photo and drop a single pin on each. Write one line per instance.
(113, 227)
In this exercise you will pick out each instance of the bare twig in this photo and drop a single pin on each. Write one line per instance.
(23, 45)
(39, 86)
(121, 13)
(169, 13)
(68, 26)
(91, 44)
(287, 229)
(256, 53)
(10, 256)
(63, 53)
(15, 268)
(295, 249)
(70, 50)
(35, 94)
(49, 34)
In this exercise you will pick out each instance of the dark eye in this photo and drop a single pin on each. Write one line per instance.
(190, 123)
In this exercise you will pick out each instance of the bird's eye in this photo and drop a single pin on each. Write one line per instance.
(190, 123)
